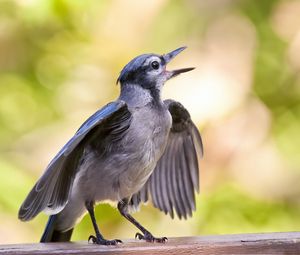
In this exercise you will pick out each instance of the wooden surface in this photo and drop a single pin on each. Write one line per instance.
(271, 243)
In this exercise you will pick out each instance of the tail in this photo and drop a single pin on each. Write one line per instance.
(52, 235)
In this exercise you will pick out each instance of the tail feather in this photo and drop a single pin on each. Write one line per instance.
(52, 235)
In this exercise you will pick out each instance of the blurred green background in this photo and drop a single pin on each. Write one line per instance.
(59, 60)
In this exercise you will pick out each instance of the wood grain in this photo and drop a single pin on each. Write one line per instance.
(267, 243)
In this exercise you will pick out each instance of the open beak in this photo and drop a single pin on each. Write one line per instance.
(169, 56)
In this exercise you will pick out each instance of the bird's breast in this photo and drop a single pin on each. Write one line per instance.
(123, 171)
(147, 138)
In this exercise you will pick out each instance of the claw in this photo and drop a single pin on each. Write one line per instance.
(100, 241)
(139, 236)
(118, 241)
(163, 239)
(93, 238)
(148, 237)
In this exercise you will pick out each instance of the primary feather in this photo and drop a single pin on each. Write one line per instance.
(51, 191)
(175, 178)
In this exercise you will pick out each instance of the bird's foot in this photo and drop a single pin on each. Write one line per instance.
(148, 237)
(102, 241)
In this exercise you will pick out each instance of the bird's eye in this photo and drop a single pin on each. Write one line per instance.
(155, 65)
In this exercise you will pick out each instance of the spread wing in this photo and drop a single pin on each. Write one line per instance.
(51, 191)
(175, 179)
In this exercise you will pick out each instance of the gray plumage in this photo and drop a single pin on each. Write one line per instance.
(176, 175)
(134, 149)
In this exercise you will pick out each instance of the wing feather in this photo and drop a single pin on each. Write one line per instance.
(175, 179)
(51, 191)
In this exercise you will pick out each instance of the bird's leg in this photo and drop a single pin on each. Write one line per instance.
(98, 239)
(147, 236)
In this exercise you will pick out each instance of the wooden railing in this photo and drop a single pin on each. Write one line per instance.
(269, 243)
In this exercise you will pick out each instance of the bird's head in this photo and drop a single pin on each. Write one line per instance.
(149, 70)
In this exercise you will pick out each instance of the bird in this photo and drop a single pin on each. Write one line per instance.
(136, 149)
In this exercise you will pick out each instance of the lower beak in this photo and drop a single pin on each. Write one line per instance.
(169, 56)
(176, 72)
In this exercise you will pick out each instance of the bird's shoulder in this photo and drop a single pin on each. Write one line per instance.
(104, 112)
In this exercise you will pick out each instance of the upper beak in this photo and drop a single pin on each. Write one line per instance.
(169, 56)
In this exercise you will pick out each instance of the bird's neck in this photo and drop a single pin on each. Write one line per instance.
(137, 96)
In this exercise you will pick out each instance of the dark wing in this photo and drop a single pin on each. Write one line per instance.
(51, 191)
(175, 179)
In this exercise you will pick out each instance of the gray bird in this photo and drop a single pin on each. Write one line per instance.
(133, 149)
